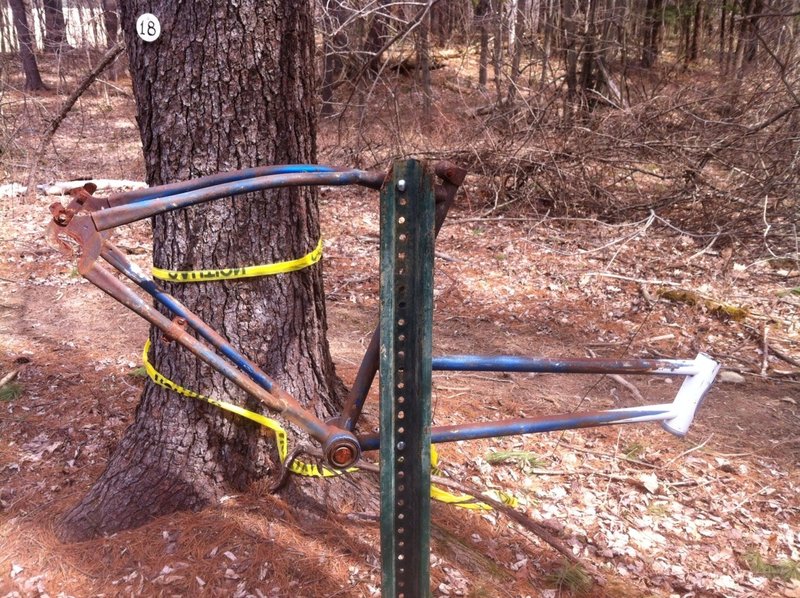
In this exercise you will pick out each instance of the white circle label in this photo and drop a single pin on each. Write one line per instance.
(148, 27)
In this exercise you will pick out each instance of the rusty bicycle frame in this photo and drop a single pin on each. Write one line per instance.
(88, 220)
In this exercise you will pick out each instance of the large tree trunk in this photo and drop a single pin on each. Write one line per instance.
(33, 80)
(55, 26)
(213, 95)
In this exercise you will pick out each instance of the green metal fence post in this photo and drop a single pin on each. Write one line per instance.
(407, 236)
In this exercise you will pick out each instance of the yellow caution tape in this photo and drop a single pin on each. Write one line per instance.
(244, 272)
(281, 439)
(465, 501)
(312, 469)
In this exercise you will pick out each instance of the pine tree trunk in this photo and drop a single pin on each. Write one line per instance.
(33, 80)
(212, 95)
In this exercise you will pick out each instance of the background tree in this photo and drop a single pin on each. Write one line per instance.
(33, 80)
(111, 21)
(651, 32)
(55, 25)
(227, 85)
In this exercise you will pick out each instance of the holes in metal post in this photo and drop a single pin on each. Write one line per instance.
(403, 289)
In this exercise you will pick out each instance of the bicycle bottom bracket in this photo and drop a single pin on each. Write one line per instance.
(341, 450)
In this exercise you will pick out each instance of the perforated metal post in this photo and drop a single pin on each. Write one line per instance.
(407, 236)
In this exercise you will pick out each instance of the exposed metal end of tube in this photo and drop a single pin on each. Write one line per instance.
(691, 395)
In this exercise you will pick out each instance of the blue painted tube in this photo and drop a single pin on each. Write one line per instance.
(125, 214)
(112, 255)
(550, 423)
(226, 349)
(118, 199)
(512, 363)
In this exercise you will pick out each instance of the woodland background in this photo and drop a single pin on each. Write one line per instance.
(633, 190)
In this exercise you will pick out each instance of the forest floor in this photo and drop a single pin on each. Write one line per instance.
(713, 514)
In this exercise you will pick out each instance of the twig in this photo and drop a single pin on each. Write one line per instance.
(578, 449)
(706, 248)
(487, 378)
(64, 187)
(629, 385)
(494, 219)
(526, 522)
(764, 351)
(748, 498)
(405, 30)
(687, 452)
(622, 381)
(776, 352)
(9, 378)
(109, 57)
(628, 278)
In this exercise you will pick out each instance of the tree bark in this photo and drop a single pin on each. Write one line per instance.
(482, 14)
(225, 86)
(55, 26)
(516, 59)
(377, 35)
(722, 13)
(424, 65)
(334, 44)
(651, 34)
(497, 49)
(588, 79)
(5, 35)
(569, 11)
(33, 80)
(548, 25)
(697, 31)
(111, 21)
